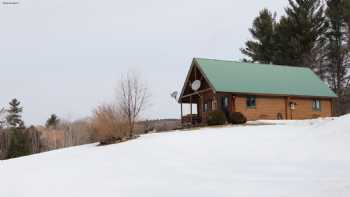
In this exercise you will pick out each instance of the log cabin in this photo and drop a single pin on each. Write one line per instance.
(259, 91)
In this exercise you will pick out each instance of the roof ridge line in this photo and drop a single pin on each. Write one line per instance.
(217, 59)
(296, 67)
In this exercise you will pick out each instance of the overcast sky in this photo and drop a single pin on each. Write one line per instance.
(66, 56)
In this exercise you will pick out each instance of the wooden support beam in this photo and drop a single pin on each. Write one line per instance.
(181, 114)
(201, 106)
(195, 93)
(191, 109)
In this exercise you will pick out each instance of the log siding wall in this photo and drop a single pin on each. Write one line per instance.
(304, 109)
(270, 107)
(267, 107)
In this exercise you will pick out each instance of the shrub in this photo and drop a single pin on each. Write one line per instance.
(237, 118)
(108, 122)
(216, 118)
(110, 140)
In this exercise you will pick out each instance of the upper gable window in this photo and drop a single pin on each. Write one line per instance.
(251, 101)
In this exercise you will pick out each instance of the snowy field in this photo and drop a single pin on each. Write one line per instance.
(290, 158)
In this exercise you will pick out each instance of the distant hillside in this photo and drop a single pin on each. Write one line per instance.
(158, 125)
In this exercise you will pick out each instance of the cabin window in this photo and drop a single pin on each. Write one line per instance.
(251, 101)
(225, 102)
(316, 105)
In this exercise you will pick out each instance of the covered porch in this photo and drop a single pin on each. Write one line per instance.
(195, 93)
(191, 109)
(195, 106)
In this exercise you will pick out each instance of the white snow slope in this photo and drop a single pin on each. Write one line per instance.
(292, 158)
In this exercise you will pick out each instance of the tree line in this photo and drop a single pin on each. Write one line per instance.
(311, 33)
(15, 138)
(111, 122)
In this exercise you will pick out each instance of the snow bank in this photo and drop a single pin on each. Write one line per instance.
(296, 158)
(340, 124)
(291, 122)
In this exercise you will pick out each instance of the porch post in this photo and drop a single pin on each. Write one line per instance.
(201, 108)
(191, 109)
(181, 114)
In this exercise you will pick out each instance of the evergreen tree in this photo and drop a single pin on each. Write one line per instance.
(52, 122)
(284, 53)
(261, 48)
(300, 34)
(18, 143)
(347, 11)
(338, 49)
(13, 117)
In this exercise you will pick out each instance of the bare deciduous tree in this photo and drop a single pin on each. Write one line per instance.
(133, 96)
(76, 132)
(33, 138)
(148, 126)
(2, 117)
(4, 143)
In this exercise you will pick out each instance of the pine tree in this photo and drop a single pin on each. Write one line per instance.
(18, 143)
(261, 49)
(14, 114)
(347, 11)
(300, 34)
(284, 53)
(338, 49)
(52, 122)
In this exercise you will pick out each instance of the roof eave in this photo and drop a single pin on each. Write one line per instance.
(279, 95)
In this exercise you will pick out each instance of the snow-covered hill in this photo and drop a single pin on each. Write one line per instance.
(291, 158)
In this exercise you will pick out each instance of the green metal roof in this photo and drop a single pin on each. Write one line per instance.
(237, 77)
